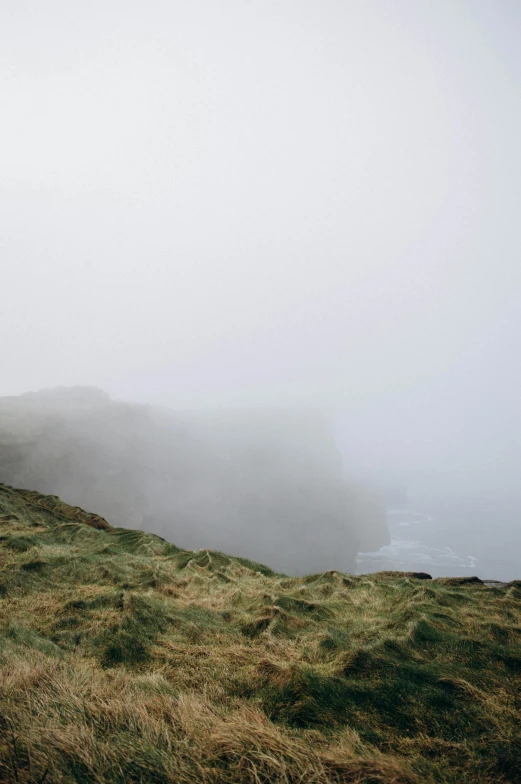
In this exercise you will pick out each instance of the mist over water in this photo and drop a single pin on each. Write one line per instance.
(242, 207)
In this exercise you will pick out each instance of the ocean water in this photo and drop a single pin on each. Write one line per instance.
(451, 542)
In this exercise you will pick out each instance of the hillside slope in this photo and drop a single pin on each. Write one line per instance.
(126, 659)
(265, 484)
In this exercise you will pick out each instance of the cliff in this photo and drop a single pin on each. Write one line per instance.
(264, 484)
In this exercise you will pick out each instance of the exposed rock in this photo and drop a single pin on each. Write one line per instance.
(459, 580)
(415, 575)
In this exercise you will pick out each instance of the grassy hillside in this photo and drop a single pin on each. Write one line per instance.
(126, 659)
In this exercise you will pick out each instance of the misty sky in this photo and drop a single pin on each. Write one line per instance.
(217, 203)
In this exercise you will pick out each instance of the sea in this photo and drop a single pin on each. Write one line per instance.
(449, 542)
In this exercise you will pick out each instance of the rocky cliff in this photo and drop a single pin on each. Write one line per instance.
(263, 484)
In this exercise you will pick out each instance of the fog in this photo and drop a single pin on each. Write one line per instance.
(235, 206)
(262, 484)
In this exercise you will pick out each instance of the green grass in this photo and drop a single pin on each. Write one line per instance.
(126, 659)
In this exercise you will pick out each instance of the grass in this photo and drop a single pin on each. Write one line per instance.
(126, 659)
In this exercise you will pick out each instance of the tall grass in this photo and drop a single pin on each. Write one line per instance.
(125, 659)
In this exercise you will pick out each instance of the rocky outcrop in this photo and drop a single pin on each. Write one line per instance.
(266, 485)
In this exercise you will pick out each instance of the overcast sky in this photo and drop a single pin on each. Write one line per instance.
(208, 203)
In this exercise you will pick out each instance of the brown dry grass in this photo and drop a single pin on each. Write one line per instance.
(123, 659)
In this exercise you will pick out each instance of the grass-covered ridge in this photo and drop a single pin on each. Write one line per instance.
(126, 659)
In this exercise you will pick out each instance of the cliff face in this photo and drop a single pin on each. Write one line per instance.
(265, 485)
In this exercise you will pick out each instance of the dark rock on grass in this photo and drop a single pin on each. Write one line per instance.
(459, 580)
(415, 575)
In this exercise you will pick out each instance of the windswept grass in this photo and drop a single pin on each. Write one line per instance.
(126, 659)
